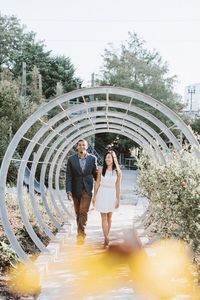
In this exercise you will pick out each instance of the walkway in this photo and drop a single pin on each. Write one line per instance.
(60, 281)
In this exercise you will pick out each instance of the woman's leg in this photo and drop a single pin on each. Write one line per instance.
(104, 226)
(109, 220)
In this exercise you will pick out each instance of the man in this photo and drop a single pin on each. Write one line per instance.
(81, 170)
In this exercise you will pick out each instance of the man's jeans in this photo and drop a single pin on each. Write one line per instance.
(81, 206)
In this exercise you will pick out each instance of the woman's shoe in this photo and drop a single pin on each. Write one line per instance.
(106, 242)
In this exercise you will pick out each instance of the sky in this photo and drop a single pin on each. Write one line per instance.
(82, 30)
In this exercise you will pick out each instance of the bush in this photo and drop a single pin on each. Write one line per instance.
(174, 193)
(7, 255)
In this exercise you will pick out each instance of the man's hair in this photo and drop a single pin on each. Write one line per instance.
(82, 140)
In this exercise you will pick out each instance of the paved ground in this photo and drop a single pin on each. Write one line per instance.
(61, 282)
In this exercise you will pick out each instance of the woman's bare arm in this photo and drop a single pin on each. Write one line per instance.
(118, 188)
(97, 184)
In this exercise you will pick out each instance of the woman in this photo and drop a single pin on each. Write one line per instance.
(106, 196)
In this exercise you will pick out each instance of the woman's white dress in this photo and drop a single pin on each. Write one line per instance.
(106, 195)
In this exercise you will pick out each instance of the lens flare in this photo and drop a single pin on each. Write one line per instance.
(24, 279)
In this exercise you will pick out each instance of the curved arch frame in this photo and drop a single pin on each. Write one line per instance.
(130, 126)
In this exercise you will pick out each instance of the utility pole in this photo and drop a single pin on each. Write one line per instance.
(78, 86)
(23, 87)
(191, 91)
(92, 80)
(40, 84)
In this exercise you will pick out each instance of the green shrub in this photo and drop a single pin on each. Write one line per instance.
(174, 193)
(7, 255)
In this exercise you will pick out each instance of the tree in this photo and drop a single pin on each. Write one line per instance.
(11, 36)
(196, 125)
(11, 115)
(60, 69)
(138, 68)
(19, 45)
(35, 90)
(134, 66)
(119, 143)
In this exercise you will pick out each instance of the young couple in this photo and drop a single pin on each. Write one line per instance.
(80, 174)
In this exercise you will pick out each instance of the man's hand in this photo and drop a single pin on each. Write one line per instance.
(69, 196)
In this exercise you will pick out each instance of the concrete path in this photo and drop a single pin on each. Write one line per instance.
(60, 281)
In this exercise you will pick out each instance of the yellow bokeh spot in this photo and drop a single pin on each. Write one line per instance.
(165, 274)
(24, 279)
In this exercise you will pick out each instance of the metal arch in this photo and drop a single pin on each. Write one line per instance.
(132, 94)
(124, 106)
(37, 137)
(148, 100)
(85, 135)
(162, 108)
(60, 150)
(142, 125)
(58, 141)
(48, 155)
(93, 114)
(129, 93)
(34, 204)
(24, 216)
(45, 108)
(158, 151)
(111, 126)
(58, 165)
(45, 143)
(127, 131)
(59, 118)
(119, 115)
(143, 113)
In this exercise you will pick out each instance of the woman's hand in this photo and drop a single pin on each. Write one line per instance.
(115, 160)
(117, 204)
(114, 155)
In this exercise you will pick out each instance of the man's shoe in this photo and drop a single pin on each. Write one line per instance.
(80, 239)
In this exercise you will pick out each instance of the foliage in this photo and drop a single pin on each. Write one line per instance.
(11, 37)
(134, 66)
(11, 115)
(19, 45)
(60, 69)
(45, 75)
(7, 255)
(196, 125)
(14, 110)
(118, 143)
(10, 106)
(174, 193)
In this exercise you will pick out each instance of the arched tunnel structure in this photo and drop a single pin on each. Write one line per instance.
(51, 132)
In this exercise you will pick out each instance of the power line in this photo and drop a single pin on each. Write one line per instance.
(114, 20)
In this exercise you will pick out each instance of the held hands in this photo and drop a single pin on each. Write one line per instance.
(93, 200)
(69, 196)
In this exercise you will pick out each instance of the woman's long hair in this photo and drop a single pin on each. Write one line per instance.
(104, 163)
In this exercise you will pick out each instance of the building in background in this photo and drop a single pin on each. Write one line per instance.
(192, 100)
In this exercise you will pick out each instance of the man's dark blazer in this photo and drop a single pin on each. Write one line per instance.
(76, 179)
